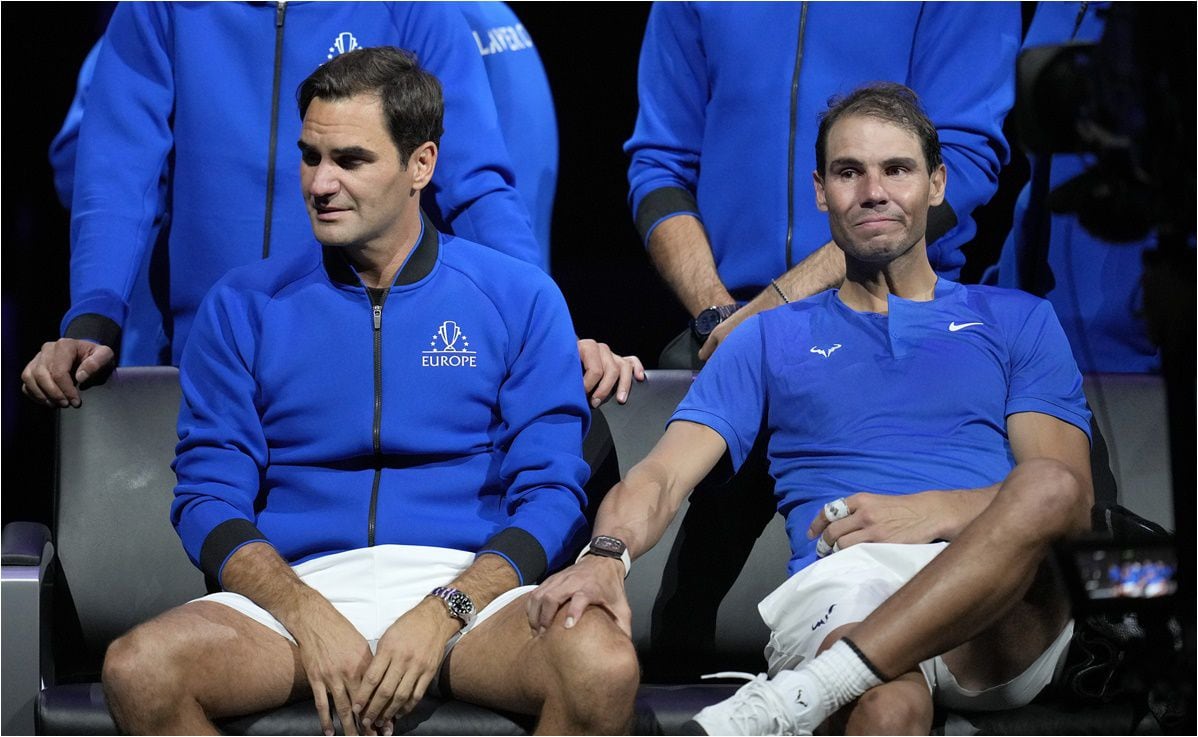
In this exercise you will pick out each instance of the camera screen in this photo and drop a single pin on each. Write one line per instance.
(1139, 572)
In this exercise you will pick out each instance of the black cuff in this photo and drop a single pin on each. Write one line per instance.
(101, 329)
(220, 544)
(941, 219)
(520, 549)
(661, 203)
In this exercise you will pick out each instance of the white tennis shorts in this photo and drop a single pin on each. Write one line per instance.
(372, 587)
(846, 586)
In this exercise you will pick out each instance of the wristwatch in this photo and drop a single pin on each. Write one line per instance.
(608, 547)
(459, 604)
(708, 319)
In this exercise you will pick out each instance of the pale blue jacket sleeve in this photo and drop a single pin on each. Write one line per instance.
(963, 69)
(473, 191)
(64, 147)
(665, 148)
(124, 142)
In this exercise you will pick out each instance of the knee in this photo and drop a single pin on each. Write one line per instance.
(136, 670)
(596, 659)
(889, 710)
(1050, 493)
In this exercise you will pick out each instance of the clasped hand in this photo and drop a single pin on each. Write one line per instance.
(369, 692)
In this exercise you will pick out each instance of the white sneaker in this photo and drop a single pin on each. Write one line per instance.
(757, 708)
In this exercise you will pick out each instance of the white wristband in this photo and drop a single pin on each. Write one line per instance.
(625, 558)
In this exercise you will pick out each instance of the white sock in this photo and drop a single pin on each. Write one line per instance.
(834, 678)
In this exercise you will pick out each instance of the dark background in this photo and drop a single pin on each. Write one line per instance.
(590, 51)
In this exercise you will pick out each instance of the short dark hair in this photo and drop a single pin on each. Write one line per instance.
(889, 101)
(412, 103)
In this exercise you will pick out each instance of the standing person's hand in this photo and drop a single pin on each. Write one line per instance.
(604, 371)
(61, 367)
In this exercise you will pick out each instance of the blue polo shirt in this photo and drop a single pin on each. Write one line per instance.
(913, 400)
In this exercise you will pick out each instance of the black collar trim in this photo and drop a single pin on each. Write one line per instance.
(420, 264)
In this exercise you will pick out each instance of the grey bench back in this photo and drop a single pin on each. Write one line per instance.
(118, 557)
(121, 563)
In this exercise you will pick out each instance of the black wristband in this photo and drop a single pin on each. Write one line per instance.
(868, 663)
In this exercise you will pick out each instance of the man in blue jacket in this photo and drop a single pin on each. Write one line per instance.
(900, 411)
(729, 98)
(378, 453)
(149, 115)
(1094, 284)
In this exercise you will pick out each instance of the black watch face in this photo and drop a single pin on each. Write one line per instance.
(460, 604)
(608, 545)
(707, 320)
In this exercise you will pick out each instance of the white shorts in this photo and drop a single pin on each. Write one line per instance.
(372, 587)
(846, 586)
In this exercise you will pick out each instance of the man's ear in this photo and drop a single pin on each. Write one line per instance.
(939, 181)
(821, 201)
(422, 163)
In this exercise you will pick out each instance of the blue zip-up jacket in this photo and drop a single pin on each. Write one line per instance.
(716, 136)
(1096, 288)
(452, 415)
(189, 86)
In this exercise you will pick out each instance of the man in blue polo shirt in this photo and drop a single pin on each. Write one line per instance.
(929, 442)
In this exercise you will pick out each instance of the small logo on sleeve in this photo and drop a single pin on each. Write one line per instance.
(826, 352)
(449, 347)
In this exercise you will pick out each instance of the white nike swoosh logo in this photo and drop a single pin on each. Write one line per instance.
(954, 327)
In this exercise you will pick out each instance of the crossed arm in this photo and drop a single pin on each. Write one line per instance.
(943, 514)
(682, 254)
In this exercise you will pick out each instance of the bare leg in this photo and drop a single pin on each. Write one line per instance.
(194, 663)
(901, 706)
(581, 680)
(985, 576)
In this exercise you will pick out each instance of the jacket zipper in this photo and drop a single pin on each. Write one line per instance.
(790, 146)
(377, 298)
(280, 12)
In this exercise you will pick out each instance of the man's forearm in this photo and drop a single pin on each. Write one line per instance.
(822, 269)
(486, 578)
(961, 507)
(681, 253)
(639, 509)
(259, 573)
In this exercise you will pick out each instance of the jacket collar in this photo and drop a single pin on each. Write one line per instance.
(419, 264)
